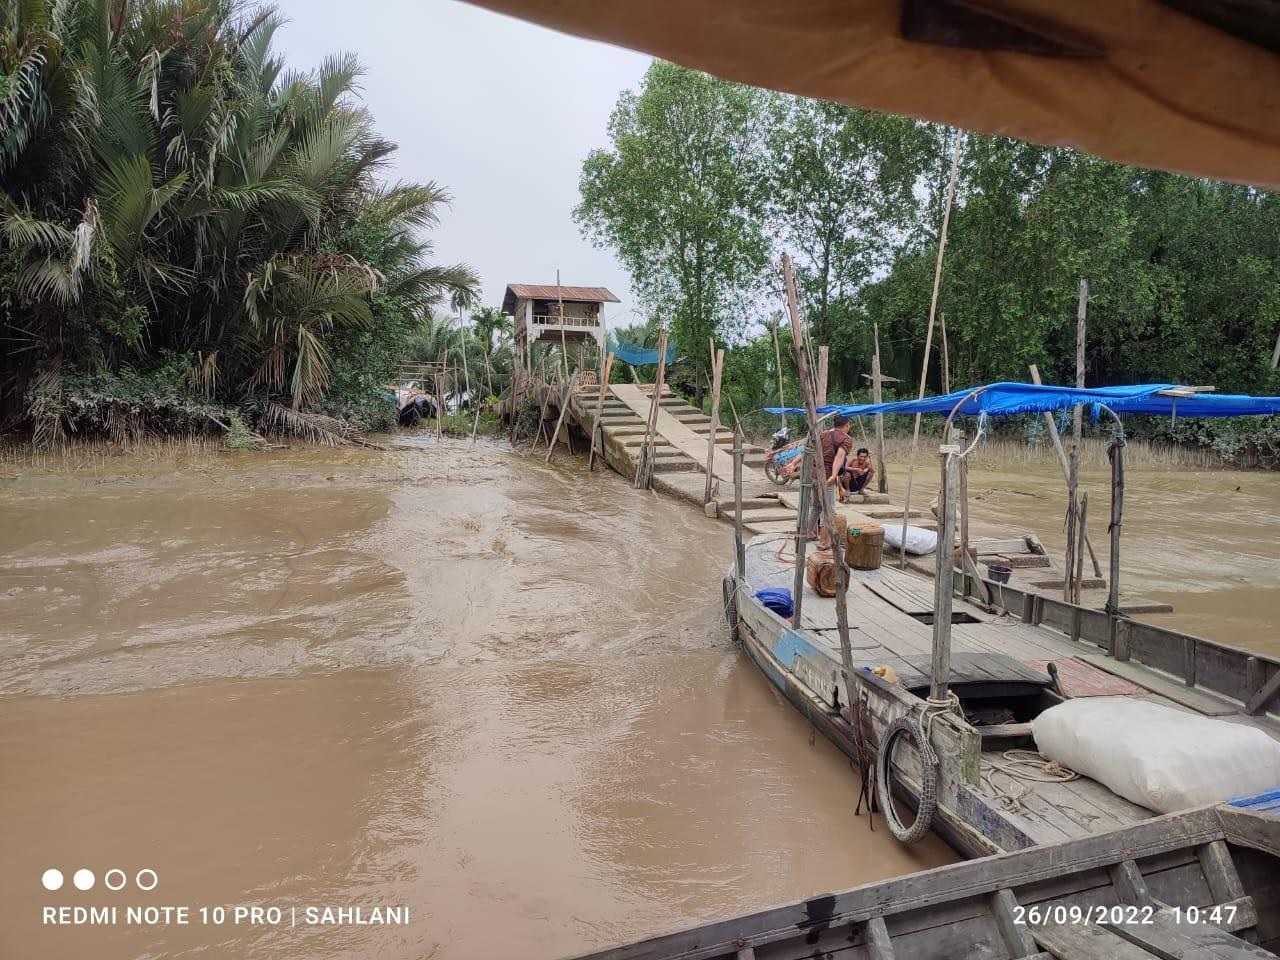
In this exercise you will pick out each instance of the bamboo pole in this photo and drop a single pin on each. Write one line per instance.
(828, 501)
(777, 362)
(644, 468)
(566, 398)
(802, 534)
(717, 365)
(439, 405)
(928, 340)
(564, 346)
(605, 370)
(877, 396)
(1073, 461)
(944, 579)
(1066, 470)
(1115, 453)
(946, 356)
(1079, 574)
(824, 357)
(739, 546)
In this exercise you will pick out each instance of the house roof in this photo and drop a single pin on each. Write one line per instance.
(1185, 85)
(536, 291)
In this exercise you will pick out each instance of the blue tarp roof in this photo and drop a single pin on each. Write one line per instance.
(639, 356)
(1011, 399)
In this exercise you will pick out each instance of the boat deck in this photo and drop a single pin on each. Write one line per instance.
(890, 614)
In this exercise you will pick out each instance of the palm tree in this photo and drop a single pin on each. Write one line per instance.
(166, 188)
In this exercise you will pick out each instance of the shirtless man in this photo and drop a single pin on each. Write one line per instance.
(856, 475)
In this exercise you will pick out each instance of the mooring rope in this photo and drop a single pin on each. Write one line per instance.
(1028, 767)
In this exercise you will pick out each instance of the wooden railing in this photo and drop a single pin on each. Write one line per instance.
(555, 320)
(1252, 679)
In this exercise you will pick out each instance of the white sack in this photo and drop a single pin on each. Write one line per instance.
(1156, 756)
(919, 540)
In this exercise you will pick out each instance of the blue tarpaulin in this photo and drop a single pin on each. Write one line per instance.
(1011, 399)
(638, 356)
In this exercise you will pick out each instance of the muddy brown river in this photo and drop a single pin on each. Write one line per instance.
(494, 694)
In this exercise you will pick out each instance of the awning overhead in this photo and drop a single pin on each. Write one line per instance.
(1186, 85)
(1013, 399)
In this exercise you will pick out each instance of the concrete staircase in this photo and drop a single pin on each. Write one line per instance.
(624, 431)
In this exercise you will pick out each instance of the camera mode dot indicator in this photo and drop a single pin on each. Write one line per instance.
(51, 879)
(83, 879)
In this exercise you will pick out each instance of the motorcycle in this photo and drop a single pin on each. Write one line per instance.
(782, 451)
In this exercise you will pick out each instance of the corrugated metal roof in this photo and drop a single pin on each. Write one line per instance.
(536, 291)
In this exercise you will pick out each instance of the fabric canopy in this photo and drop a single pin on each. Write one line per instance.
(640, 356)
(1185, 85)
(1012, 399)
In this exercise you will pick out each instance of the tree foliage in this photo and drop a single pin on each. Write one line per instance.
(169, 190)
(676, 197)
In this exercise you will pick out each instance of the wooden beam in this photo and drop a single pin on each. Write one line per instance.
(928, 341)
(823, 360)
(944, 577)
(717, 364)
(828, 501)
(878, 380)
(1062, 462)
(739, 546)
(1258, 702)
(1220, 871)
(879, 945)
(1130, 885)
(565, 399)
(1017, 938)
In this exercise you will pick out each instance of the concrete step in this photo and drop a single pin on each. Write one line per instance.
(675, 464)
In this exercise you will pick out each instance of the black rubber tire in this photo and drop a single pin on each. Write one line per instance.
(908, 726)
(771, 472)
(729, 594)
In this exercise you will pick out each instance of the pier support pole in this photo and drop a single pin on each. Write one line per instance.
(813, 448)
(717, 366)
(1115, 453)
(739, 548)
(802, 534)
(944, 578)
(877, 397)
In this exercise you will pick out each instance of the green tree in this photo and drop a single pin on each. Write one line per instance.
(168, 191)
(842, 186)
(676, 196)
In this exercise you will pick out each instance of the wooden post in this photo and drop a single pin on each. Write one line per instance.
(1066, 470)
(802, 533)
(1275, 356)
(439, 405)
(828, 501)
(824, 357)
(739, 546)
(1116, 456)
(717, 364)
(605, 370)
(1078, 586)
(566, 398)
(777, 362)
(1077, 424)
(928, 341)
(564, 346)
(946, 356)
(644, 469)
(966, 561)
(877, 396)
(944, 579)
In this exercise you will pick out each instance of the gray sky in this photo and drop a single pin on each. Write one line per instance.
(499, 111)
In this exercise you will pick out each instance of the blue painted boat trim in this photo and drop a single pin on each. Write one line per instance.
(1268, 800)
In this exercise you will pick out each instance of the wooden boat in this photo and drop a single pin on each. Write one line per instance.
(1199, 885)
(1000, 672)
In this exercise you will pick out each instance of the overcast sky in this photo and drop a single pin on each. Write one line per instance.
(499, 111)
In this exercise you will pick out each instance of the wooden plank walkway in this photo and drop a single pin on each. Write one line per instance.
(679, 435)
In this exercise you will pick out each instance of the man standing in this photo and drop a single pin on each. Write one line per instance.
(836, 445)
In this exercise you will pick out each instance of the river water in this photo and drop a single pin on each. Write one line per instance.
(458, 680)
(451, 679)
